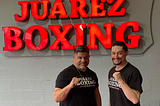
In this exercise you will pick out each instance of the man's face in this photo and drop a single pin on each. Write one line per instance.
(118, 55)
(81, 60)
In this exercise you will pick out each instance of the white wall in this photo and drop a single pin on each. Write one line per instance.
(29, 81)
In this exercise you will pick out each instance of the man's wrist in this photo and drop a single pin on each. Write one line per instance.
(120, 81)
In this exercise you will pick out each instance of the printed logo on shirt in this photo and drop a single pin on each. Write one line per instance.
(112, 83)
(86, 81)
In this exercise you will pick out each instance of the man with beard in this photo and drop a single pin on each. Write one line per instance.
(124, 79)
(77, 85)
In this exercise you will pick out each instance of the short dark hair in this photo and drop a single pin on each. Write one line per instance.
(120, 43)
(81, 48)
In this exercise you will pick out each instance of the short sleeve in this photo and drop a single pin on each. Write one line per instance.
(62, 81)
(136, 81)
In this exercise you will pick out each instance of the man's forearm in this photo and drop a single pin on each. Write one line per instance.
(97, 97)
(131, 94)
(61, 94)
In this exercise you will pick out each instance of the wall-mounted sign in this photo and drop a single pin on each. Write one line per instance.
(56, 27)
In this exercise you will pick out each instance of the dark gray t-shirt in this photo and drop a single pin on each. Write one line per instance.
(83, 93)
(133, 79)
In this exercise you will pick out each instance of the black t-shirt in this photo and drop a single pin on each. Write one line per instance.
(83, 93)
(133, 79)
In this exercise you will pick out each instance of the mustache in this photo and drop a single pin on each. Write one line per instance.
(83, 63)
(116, 58)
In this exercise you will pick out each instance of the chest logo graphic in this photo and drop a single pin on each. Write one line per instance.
(112, 83)
(86, 81)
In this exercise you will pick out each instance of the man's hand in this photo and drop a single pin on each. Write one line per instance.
(117, 76)
(74, 82)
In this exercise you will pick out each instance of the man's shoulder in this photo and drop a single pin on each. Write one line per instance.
(67, 69)
(132, 66)
(90, 70)
(112, 69)
(134, 70)
(70, 67)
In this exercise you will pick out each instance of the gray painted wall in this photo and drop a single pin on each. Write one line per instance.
(29, 81)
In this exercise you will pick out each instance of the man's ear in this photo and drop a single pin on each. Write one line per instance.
(74, 57)
(127, 53)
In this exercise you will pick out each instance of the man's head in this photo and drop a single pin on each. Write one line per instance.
(81, 57)
(119, 51)
(81, 48)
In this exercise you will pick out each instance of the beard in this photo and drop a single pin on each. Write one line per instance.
(82, 65)
(117, 63)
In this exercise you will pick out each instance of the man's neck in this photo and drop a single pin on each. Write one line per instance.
(121, 66)
(79, 68)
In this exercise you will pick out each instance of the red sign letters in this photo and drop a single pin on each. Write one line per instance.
(13, 34)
